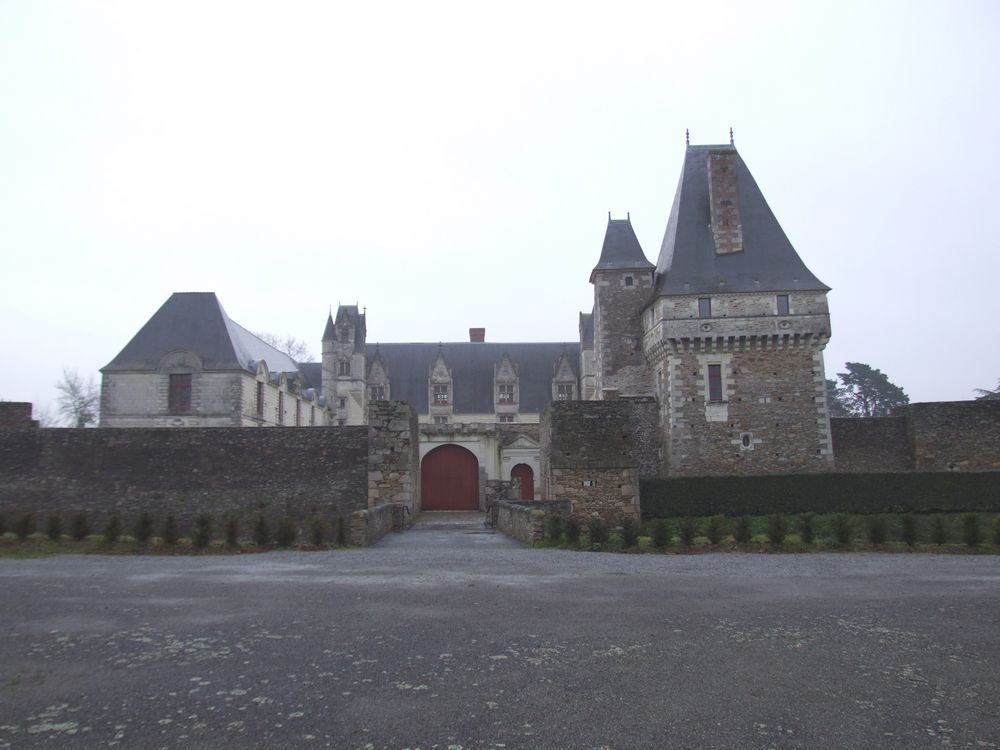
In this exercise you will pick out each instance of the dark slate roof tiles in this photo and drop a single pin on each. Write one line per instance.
(621, 249)
(688, 263)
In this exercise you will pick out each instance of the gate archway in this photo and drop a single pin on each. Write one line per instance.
(449, 479)
(527, 476)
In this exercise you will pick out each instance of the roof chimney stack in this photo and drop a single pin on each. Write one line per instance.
(477, 335)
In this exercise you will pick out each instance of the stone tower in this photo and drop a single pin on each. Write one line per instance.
(344, 366)
(623, 283)
(735, 331)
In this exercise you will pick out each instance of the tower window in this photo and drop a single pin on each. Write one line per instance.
(705, 307)
(715, 383)
(378, 393)
(345, 367)
(440, 420)
(441, 395)
(505, 393)
(629, 281)
(342, 403)
(782, 304)
(179, 398)
(505, 418)
(564, 391)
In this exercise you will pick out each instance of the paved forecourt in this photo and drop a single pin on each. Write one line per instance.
(447, 636)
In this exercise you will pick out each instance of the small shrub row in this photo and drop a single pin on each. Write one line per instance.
(839, 530)
(285, 533)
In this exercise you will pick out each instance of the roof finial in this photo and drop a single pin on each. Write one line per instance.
(731, 136)
(609, 217)
(687, 137)
(628, 216)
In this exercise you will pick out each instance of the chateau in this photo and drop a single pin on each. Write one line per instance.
(723, 336)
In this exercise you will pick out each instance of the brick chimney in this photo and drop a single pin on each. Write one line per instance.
(727, 227)
(477, 335)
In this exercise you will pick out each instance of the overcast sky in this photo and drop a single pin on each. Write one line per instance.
(453, 165)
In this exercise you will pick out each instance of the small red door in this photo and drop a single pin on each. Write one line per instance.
(449, 479)
(527, 477)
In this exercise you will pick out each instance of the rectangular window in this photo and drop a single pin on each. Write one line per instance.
(281, 407)
(378, 393)
(298, 413)
(564, 391)
(441, 395)
(342, 403)
(179, 400)
(705, 307)
(345, 367)
(505, 393)
(440, 420)
(260, 400)
(782, 304)
(715, 383)
(505, 418)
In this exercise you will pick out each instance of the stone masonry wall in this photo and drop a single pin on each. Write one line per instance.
(954, 435)
(295, 472)
(771, 419)
(16, 414)
(871, 444)
(592, 452)
(619, 360)
(394, 455)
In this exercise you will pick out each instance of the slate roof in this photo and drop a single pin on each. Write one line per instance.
(688, 263)
(472, 372)
(196, 321)
(621, 248)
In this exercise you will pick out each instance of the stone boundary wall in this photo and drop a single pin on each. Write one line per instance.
(866, 444)
(295, 472)
(932, 436)
(16, 414)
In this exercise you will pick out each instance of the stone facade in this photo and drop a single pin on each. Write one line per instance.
(871, 444)
(16, 415)
(619, 363)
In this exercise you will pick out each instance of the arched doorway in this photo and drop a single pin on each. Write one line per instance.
(527, 477)
(449, 479)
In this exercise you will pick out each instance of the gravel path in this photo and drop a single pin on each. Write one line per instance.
(448, 637)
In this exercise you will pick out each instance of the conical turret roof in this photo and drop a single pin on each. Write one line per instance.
(688, 261)
(621, 249)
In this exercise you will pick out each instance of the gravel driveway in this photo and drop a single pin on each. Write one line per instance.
(448, 637)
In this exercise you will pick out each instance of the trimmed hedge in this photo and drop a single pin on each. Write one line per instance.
(821, 493)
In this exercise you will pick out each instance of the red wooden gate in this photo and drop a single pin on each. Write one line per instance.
(449, 479)
(527, 477)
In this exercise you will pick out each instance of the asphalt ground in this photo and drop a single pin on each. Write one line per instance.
(448, 637)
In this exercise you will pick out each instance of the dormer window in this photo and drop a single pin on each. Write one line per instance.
(705, 307)
(564, 391)
(378, 393)
(782, 304)
(441, 395)
(505, 393)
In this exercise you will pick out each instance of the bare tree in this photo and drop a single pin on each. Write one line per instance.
(293, 347)
(78, 401)
(44, 415)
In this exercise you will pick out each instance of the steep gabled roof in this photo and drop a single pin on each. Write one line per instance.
(688, 263)
(195, 321)
(472, 368)
(621, 249)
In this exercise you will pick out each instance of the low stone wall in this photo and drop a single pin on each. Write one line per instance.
(370, 525)
(16, 414)
(525, 521)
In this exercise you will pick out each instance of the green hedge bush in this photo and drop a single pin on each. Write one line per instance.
(820, 493)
